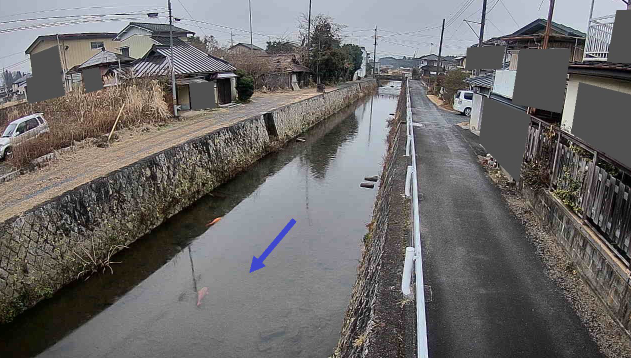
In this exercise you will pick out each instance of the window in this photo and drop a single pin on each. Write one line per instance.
(21, 128)
(468, 96)
(31, 124)
(9, 131)
(125, 51)
(96, 44)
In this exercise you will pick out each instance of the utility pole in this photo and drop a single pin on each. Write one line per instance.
(173, 89)
(374, 57)
(440, 52)
(482, 23)
(231, 40)
(309, 31)
(546, 37)
(251, 42)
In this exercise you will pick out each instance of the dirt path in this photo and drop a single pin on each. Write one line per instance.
(88, 163)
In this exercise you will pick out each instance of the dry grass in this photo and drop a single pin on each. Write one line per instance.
(78, 116)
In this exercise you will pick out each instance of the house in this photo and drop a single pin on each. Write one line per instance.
(191, 65)
(361, 73)
(481, 86)
(104, 60)
(245, 48)
(75, 49)
(531, 37)
(18, 87)
(461, 61)
(286, 72)
(594, 68)
(428, 60)
(137, 38)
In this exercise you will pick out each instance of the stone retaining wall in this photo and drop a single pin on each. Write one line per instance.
(379, 321)
(50, 245)
(603, 271)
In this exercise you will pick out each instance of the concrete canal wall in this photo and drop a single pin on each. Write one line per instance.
(605, 273)
(380, 321)
(49, 246)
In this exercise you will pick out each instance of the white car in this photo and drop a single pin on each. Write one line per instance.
(20, 130)
(463, 102)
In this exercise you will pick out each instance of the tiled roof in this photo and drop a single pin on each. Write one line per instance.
(158, 28)
(602, 65)
(602, 69)
(105, 57)
(538, 24)
(485, 81)
(23, 78)
(187, 58)
(286, 63)
(246, 45)
(77, 36)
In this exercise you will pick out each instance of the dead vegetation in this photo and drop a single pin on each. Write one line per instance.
(78, 116)
(97, 258)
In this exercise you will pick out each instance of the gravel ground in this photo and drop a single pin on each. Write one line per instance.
(4, 169)
(611, 338)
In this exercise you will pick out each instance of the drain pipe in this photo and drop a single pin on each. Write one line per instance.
(414, 253)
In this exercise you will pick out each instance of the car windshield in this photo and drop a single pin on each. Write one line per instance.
(9, 130)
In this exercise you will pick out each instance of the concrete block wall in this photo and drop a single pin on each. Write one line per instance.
(607, 275)
(46, 247)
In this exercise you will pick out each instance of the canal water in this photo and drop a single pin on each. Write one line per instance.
(293, 307)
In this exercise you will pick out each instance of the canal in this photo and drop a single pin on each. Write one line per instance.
(293, 307)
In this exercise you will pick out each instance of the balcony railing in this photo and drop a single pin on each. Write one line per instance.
(598, 38)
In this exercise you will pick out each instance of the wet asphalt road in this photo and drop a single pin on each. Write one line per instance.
(490, 296)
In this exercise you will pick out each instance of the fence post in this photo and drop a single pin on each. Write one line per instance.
(556, 157)
(587, 193)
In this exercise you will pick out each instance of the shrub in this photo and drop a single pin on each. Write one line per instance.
(245, 87)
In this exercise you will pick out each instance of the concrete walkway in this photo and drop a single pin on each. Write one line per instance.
(489, 295)
(86, 164)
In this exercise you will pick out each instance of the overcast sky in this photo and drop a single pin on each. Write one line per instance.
(279, 18)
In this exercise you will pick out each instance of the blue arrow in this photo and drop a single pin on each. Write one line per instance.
(257, 263)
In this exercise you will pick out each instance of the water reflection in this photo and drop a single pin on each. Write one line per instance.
(292, 308)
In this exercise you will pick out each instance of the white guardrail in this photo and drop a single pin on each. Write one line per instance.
(414, 253)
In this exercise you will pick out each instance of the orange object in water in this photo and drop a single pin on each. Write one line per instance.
(201, 295)
(213, 222)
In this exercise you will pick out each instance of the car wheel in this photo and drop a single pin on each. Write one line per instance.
(467, 112)
(8, 153)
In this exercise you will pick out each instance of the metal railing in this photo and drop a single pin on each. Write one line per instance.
(414, 254)
(598, 38)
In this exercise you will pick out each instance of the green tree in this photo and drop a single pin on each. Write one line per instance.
(245, 86)
(354, 59)
(452, 82)
(327, 57)
(416, 74)
(275, 47)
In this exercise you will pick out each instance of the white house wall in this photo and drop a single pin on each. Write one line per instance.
(504, 83)
(572, 91)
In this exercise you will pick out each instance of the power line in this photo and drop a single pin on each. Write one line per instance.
(459, 13)
(191, 16)
(69, 9)
(65, 23)
(17, 63)
(13, 54)
(509, 13)
(142, 12)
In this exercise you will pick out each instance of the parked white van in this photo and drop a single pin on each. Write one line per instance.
(20, 130)
(463, 102)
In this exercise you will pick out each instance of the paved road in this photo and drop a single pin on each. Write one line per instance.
(490, 295)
